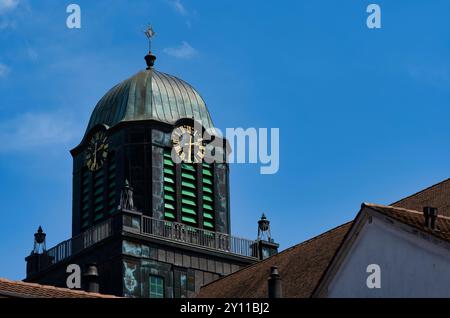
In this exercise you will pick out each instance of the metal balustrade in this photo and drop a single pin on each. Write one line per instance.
(172, 231)
(86, 239)
(195, 236)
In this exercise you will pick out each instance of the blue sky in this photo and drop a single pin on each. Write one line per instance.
(363, 114)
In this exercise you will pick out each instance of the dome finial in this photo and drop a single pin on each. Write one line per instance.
(150, 58)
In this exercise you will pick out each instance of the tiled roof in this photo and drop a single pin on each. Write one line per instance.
(300, 267)
(437, 196)
(415, 219)
(18, 289)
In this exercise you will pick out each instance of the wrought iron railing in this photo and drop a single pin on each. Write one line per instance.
(86, 239)
(195, 236)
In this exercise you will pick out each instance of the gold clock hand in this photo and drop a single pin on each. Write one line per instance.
(190, 144)
(95, 156)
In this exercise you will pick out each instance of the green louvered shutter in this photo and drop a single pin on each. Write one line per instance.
(85, 197)
(99, 190)
(169, 186)
(189, 194)
(208, 196)
(112, 204)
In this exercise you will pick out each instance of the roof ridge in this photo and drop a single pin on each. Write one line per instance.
(423, 190)
(50, 287)
(282, 252)
(315, 237)
(401, 209)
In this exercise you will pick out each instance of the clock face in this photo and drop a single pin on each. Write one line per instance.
(97, 151)
(188, 144)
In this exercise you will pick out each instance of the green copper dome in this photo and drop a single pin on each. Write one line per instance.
(150, 95)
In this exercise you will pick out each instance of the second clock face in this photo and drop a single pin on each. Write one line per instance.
(97, 151)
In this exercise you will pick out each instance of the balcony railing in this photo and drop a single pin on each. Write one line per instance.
(76, 244)
(148, 226)
(183, 233)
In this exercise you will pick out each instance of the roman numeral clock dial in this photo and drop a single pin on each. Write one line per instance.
(188, 144)
(97, 151)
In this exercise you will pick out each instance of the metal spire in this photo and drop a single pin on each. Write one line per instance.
(149, 33)
(150, 58)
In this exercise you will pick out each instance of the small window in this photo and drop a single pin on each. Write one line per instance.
(183, 281)
(156, 287)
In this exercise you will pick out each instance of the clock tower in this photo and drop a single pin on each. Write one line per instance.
(151, 210)
(136, 133)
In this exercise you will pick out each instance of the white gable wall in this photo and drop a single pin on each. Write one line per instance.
(412, 264)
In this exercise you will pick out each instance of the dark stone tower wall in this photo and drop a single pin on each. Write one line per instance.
(138, 149)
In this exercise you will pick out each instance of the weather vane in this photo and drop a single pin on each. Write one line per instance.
(150, 34)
